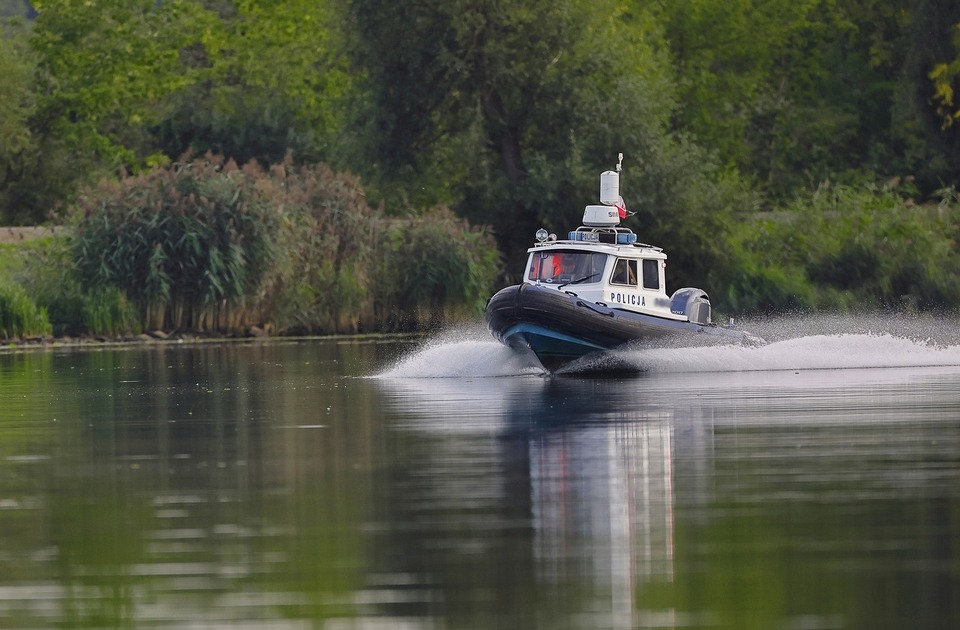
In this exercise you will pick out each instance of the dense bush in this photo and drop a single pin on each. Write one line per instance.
(351, 268)
(45, 269)
(844, 248)
(108, 312)
(879, 246)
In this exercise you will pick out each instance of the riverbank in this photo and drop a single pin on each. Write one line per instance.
(31, 344)
(156, 337)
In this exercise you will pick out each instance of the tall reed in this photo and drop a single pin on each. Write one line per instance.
(329, 239)
(208, 246)
(434, 268)
(19, 315)
(193, 246)
(107, 312)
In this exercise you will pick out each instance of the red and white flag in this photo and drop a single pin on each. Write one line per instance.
(622, 208)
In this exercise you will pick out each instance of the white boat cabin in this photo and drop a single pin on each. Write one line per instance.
(603, 263)
(628, 276)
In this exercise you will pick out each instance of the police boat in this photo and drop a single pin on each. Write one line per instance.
(597, 290)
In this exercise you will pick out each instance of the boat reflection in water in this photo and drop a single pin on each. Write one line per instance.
(594, 481)
(783, 486)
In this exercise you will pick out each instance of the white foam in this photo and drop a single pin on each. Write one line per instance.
(458, 359)
(797, 345)
(458, 353)
(804, 353)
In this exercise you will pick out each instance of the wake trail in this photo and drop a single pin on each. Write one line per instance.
(794, 345)
(816, 352)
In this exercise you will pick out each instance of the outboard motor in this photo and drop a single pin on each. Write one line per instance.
(694, 303)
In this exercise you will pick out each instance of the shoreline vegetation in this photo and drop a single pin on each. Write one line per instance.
(199, 164)
(205, 247)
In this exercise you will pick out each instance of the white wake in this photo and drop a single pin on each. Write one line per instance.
(801, 343)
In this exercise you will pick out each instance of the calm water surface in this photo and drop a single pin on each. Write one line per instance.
(812, 483)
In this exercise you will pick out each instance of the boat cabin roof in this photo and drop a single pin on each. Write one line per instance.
(613, 240)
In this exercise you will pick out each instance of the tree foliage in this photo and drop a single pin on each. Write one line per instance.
(944, 76)
(796, 94)
(736, 63)
(505, 111)
(102, 74)
(273, 81)
(138, 83)
(517, 105)
(18, 148)
(107, 72)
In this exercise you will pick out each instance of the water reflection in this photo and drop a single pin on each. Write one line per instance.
(781, 499)
(586, 466)
(272, 485)
(205, 485)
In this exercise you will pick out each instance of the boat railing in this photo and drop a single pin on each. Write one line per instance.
(607, 234)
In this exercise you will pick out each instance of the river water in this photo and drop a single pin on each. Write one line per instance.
(809, 483)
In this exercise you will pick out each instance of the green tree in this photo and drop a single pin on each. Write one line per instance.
(934, 145)
(139, 83)
(110, 68)
(512, 109)
(729, 60)
(104, 72)
(18, 149)
(273, 82)
(796, 94)
(944, 76)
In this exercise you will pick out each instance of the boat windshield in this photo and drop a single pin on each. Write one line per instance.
(563, 266)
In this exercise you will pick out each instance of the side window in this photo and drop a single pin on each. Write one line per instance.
(624, 272)
(651, 274)
(536, 266)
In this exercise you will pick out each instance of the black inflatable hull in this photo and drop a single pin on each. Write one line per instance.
(558, 327)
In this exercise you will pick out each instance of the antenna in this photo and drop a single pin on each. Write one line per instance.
(619, 162)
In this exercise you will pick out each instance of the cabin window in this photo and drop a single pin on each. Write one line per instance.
(566, 266)
(624, 272)
(651, 274)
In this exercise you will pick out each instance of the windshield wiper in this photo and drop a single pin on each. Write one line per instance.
(579, 280)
